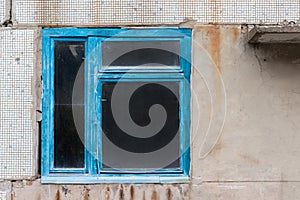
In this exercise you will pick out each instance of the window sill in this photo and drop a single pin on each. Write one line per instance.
(88, 179)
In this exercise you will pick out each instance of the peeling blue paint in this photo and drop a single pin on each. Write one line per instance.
(94, 74)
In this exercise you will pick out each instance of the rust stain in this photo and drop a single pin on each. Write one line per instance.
(154, 195)
(236, 34)
(250, 159)
(169, 193)
(131, 192)
(121, 192)
(57, 195)
(107, 193)
(86, 194)
(215, 45)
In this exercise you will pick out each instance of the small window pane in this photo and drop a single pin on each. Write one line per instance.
(140, 53)
(69, 105)
(140, 122)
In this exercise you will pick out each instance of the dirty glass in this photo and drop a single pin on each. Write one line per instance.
(140, 125)
(69, 104)
(141, 53)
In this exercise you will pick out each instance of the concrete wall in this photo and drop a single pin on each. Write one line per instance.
(245, 105)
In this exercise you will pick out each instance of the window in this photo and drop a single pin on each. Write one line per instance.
(116, 105)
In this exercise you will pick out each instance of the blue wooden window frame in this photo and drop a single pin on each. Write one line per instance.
(94, 74)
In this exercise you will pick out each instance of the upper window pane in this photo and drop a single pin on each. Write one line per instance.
(141, 53)
(69, 104)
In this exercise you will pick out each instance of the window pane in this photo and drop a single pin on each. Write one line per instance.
(140, 122)
(69, 105)
(140, 53)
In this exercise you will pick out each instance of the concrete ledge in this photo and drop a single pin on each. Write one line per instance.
(274, 34)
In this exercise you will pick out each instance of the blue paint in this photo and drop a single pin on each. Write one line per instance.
(94, 75)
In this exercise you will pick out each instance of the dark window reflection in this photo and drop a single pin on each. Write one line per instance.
(140, 123)
(137, 53)
(69, 105)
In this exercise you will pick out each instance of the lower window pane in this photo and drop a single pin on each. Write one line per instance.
(140, 125)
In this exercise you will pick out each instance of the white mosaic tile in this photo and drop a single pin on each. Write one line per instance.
(2, 10)
(16, 72)
(87, 12)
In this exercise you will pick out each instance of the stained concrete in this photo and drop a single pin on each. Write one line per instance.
(289, 33)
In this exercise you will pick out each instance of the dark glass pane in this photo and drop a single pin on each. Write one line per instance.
(69, 105)
(140, 122)
(136, 53)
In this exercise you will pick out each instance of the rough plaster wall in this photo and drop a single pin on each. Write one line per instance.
(16, 103)
(93, 12)
(260, 141)
(257, 154)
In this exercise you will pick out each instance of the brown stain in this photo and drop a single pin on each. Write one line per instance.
(57, 195)
(250, 159)
(218, 147)
(236, 34)
(169, 193)
(131, 192)
(154, 195)
(121, 192)
(214, 33)
(86, 194)
(107, 193)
